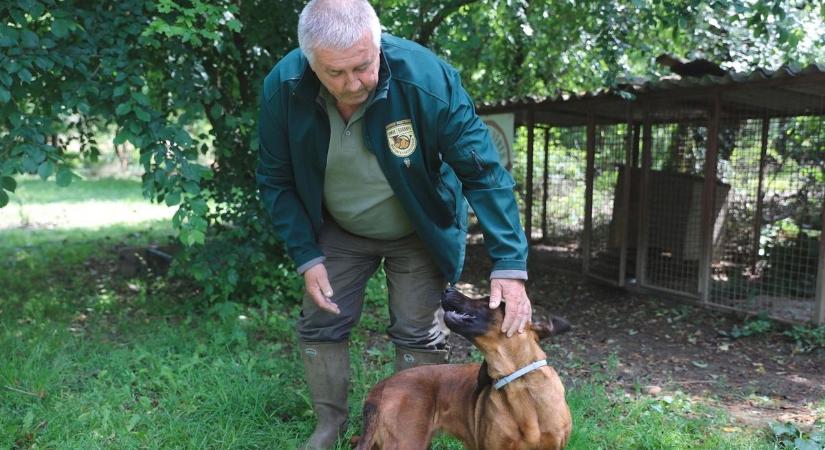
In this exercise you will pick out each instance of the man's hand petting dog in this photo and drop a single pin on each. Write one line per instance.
(518, 310)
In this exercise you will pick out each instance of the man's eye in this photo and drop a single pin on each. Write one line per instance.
(334, 74)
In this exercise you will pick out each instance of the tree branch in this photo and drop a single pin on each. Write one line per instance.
(428, 28)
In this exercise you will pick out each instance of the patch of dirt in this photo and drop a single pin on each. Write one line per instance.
(652, 342)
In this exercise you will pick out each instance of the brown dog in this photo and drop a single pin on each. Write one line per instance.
(474, 402)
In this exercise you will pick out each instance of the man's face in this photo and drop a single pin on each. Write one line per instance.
(349, 74)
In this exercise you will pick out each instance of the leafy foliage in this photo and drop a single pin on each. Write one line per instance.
(180, 81)
(807, 338)
(789, 436)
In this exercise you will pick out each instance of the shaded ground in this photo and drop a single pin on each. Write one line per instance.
(653, 342)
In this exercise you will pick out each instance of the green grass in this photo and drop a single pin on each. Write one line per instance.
(33, 190)
(94, 360)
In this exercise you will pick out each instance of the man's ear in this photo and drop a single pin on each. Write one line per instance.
(555, 326)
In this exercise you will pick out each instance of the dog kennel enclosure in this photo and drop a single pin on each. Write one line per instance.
(711, 189)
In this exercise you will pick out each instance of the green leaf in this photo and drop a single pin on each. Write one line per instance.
(64, 177)
(191, 187)
(182, 138)
(199, 206)
(782, 429)
(46, 169)
(173, 198)
(4, 198)
(5, 78)
(141, 98)
(36, 10)
(36, 153)
(8, 183)
(123, 108)
(122, 136)
(28, 39)
(142, 114)
(235, 25)
(120, 90)
(196, 237)
(60, 27)
(44, 63)
(5, 95)
(806, 444)
(25, 75)
(217, 110)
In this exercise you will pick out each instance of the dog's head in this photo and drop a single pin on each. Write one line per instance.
(473, 319)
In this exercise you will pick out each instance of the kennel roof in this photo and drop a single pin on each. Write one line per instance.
(786, 92)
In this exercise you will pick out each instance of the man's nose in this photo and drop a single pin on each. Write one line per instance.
(353, 82)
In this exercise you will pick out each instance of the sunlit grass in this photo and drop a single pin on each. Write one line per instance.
(40, 204)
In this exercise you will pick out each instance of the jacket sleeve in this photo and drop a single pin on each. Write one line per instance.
(488, 187)
(276, 183)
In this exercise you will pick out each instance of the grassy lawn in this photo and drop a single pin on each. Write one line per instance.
(91, 359)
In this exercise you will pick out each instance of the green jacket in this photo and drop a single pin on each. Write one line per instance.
(452, 158)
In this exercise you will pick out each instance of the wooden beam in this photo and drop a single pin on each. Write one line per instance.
(588, 193)
(709, 199)
(625, 196)
(760, 193)
(642, 225)
(544, 190)
(528, 208)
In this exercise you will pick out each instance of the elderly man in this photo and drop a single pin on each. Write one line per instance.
(369, 147)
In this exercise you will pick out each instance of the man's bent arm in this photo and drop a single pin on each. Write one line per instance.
(276, 183)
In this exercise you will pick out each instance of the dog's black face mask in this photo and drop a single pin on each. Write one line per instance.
(466, 316)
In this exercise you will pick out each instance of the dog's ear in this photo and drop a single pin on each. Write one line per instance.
(542, 329)
(555, 326)
(483, 379)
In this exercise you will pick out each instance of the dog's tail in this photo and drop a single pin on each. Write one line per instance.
(364, 442)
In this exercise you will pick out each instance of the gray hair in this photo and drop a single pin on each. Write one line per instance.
(336, 24)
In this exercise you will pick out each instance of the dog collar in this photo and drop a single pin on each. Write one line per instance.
(520, 373)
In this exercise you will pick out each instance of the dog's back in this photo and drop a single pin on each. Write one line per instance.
(411, 406)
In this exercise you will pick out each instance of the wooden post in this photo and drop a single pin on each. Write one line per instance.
(637, 128)
(544, 191)
(588, 192)
(760, 194)
(625, 196)
(528, 209)
(709, 199)
(642, 226)
(819, 306)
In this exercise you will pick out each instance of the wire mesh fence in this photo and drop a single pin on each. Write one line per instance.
(777, 173)
(608, 199)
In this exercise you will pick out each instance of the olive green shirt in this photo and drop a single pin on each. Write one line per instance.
(356, 192)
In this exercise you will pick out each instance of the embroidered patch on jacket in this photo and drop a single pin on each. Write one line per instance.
(401, 138)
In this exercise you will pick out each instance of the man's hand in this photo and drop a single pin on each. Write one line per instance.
(519, 312)
(318, 287)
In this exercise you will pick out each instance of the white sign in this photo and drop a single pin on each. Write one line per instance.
(502, 132)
